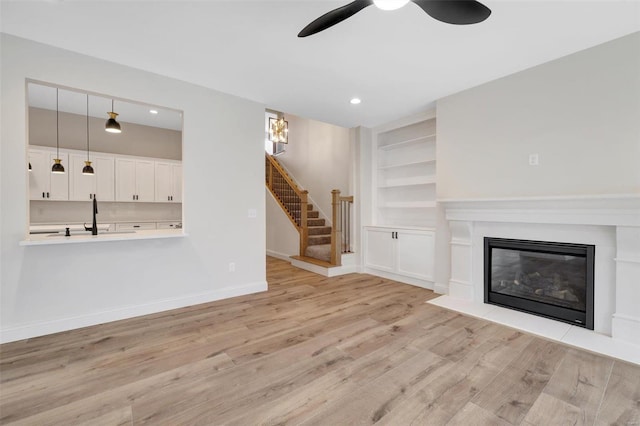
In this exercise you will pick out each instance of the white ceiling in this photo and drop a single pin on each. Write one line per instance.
(398, 62)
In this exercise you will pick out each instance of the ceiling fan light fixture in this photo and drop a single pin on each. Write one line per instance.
(390, 4)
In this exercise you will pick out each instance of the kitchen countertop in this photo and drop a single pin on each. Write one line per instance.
(45, 239)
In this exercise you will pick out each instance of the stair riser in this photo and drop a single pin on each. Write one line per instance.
(317, 240)
(320, 230)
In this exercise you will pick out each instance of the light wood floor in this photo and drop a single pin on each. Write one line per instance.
(350, 350)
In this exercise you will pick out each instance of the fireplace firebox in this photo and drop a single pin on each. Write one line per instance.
(549, 279)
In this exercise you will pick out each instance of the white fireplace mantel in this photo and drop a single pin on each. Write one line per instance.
(610, 222)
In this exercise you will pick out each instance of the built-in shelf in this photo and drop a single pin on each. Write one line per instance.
(409, 205)
(417, 181)
(405, 162)
(408, 163)
(408, 143)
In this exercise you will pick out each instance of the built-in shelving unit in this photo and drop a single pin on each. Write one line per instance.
(406, 174)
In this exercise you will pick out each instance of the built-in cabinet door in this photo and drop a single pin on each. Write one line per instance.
(145, 180)
(176, 196)
(414, 254)
(81, 187)
(125, 179)
(59, 182)
(168, 182)
(164, 182)
(39, 174)
(104, 168)
(380, 250)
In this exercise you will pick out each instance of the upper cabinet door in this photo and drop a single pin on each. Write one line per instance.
(177, 183)
(104, 167)
(81, 187)
(39, 174)
(145, 180)
(59, 181)
(125, 179)
(164, 182)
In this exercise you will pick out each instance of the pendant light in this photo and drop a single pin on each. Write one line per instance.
(87, 169)
(112, 125)
(57, 167)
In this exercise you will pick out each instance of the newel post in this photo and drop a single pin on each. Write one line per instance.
(336, 229)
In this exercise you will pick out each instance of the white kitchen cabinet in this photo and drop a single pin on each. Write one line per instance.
(44, 185)
(403, 254)
(101, 184)
(135, 180)
(168, 182)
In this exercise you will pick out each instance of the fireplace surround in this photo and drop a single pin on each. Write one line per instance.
(609, 222)
(549, 279)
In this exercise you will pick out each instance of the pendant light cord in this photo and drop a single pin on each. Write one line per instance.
(87, 127)
(57, 126)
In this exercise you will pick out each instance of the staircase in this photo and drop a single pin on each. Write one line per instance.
(320, 243)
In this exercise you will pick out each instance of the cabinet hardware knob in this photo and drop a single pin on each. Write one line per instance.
(47, 195)
(43, 195)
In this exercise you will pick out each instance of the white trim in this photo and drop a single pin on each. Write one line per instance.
(333, 271)
(626, 328)
(618, 209)
(440, 288)
(27, 331)
(400, 278)
(626, 260)
(279, 255)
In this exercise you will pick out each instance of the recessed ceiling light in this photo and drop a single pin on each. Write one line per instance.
(153, 111)
(355, 101)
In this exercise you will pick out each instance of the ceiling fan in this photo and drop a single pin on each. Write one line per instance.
(457, 12)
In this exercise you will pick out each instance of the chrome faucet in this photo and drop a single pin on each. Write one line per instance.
(94, 229)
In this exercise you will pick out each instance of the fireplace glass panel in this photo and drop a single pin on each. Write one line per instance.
(556, 279)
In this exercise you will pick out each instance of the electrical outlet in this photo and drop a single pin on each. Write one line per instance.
(534, 160)
(232, 267)
(252, 213)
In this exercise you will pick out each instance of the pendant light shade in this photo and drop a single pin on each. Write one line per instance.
(57, 167)
(112, 125)
(87, 169)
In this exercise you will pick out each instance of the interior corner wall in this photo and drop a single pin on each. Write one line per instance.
(45, 289)
(283, 239)
(318, 157)
(579, 113)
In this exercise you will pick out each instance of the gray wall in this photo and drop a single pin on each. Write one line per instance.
(580, 113)
(135, 139)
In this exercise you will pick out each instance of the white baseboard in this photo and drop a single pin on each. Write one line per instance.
(400, 278)
(440, 288)
(12, 334)
(626, 328)
(278, 255)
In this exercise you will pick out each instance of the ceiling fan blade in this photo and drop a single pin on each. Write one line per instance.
(458, 12)
(333, 17)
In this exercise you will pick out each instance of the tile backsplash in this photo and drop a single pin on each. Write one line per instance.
(44, 212)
